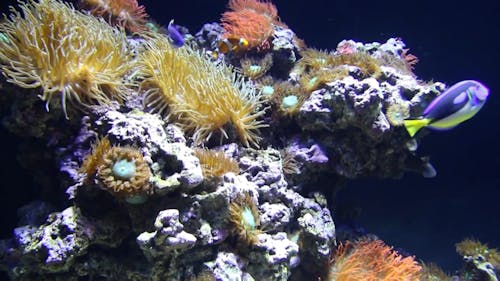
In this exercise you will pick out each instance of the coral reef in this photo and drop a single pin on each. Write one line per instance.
(169, 236)
(189, 166)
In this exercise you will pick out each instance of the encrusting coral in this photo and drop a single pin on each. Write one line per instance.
(203, 98)
(65, 52)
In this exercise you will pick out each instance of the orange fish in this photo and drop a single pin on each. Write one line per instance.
(231, 44)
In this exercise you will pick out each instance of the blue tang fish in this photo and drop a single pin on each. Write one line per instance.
(457, 104)
(175, 35)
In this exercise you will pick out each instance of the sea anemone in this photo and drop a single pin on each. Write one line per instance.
(125, 13)
(369, 66)
(397, 112)
(287, 98)
(214, 164)
(244, 218)
(289, 164)
(203, 98)
(120, 170)
(125, 174)
(94, 159)
(316, 68)
(65, 52)
(252, 20)
(255, 69)
(266, 86)
(312, 59)
(371, 260)
(313, 80)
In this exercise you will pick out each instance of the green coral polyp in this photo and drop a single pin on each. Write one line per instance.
(124, 169)
(125, 174)
(245, 220)
(312, 82)
(255, 68)
(289, 102)
(248, 219)
(267, 90)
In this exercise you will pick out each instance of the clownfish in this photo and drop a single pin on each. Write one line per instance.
(459, 103)
(230, 44)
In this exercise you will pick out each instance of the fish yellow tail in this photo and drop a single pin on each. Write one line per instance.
(413, 126)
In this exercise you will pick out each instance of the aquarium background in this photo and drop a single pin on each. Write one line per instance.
(454, 41)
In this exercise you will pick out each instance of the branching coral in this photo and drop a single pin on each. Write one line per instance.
(64, 52)
(202, 97)
(371, 261)
(125, 13)
(214, 164)
(252, 20)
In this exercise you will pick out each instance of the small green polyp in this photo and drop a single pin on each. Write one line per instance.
(289, 101)
(124, 169)
(255, 68)
(248, 218)
(312, 81)
(267, 90)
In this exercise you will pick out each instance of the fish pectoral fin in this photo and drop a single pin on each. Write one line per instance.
(413, 126)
